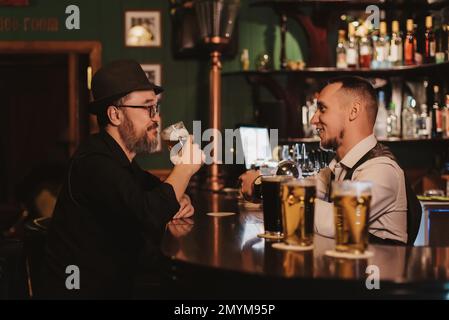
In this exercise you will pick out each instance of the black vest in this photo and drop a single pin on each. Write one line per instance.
(414, 210)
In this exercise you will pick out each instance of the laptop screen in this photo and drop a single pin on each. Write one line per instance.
(255, 145)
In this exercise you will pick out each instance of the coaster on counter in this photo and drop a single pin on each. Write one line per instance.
(346, 255)
(270, 236)
(220, 214)
(285, 246)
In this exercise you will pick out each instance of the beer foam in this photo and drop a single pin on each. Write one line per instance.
(347, 255)
(220, 214)
(285, 246)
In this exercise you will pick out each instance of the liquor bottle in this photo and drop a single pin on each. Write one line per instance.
(430, 43)
(392, 121)
(409, 45)
(409, 119)
(366, 52)
(437, 120)
(352, 49)
(244, 59)
(381, 48)
(446, 118)
(424, 123)
(380, 128)
(446, 41)
(440, 38)
(341, 50)
(396, 55)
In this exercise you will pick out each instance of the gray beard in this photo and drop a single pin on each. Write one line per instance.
(139, 144)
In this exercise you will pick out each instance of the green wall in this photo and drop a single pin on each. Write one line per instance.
(185, 81)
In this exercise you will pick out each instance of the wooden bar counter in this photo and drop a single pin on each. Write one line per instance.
(222, 257)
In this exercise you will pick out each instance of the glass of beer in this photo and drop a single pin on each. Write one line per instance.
(272, 212)
(298, 211)
(174, 134)
(351, 212)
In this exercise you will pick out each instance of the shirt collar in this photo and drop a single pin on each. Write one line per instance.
(358, 151)
(115, 148)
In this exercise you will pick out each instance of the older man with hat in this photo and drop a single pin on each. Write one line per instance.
(110, 213)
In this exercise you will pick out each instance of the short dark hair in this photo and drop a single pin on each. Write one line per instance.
(362, 88)
(102, 114)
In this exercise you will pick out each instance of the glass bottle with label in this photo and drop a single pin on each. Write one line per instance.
(352, 49)
(341, 50)
(446, 118)
(437, 119)
(430, 43)
(396, 55)
(380, 128)
(392, 121)
(366, 52)
(409, 119)
(409, 45)
(381, 48)
(424, 122)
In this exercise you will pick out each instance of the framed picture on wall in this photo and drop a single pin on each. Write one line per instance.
(143, 28)
(153, 72)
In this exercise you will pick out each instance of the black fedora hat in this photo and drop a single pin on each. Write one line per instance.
(116, 80)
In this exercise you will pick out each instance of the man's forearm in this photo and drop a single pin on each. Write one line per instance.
(179, 180)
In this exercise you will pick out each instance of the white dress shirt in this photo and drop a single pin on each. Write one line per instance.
(388, 213)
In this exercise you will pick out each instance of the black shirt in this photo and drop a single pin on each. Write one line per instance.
(108, 214)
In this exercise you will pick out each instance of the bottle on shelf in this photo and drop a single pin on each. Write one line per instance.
(352, 49)
(366, 52)
(381, 48)
(392, 121)
(446, 41)
(409, 119)
(424, 123)
(437, 113)
(341, 50)
(380, 128)
(409, 44)
(396, 52)
(440, 38)
(430, 43)
(244, 59)
(446, 118)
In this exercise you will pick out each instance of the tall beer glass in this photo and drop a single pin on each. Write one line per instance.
(352, 201)
(298, 211)
(272, 212)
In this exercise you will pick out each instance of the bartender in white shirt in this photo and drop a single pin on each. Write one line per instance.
(345, 118)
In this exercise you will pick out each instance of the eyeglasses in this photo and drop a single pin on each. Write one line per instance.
(152, 110)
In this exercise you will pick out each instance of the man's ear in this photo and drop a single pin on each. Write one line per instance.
(114, 115)
(355, 109)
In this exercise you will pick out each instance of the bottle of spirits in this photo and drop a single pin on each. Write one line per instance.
(440, 54)
(409, 45)
(381, 48)
(437, 119)
(366, 52)
(396, 55)
(446, 118)
(341, 50)
(430, 43)
(392, 121)
(244, 59)
(380, 128)
(409, 119)
(424, 122)
(352, 49)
